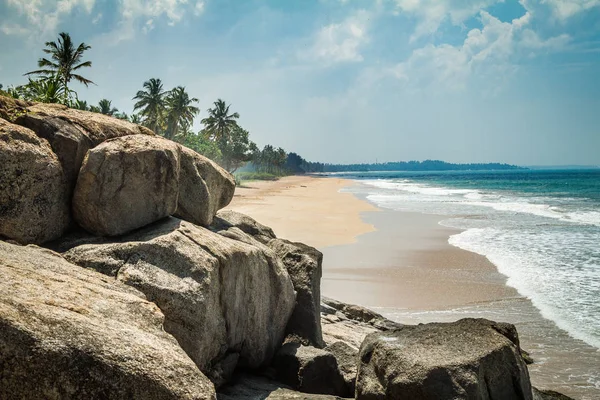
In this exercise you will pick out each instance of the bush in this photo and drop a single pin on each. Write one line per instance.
(255, 176)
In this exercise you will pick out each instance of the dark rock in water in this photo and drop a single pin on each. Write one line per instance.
(304, 264)
(467, 359)
(72, 133)
(34, 205)
(70, 333)
(309, 370)
(219, 296)
(549, 395)
(248, 387)
(229, 219)
(127, 183)
(204, 188)
(347, 360)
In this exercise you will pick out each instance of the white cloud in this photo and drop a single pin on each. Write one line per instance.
(564, 9)
(341, 42)
(14, 29)
(431, 13)
(199, 9)
(43, 16)
(489, 52)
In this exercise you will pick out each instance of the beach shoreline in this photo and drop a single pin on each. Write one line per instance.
(402, 265)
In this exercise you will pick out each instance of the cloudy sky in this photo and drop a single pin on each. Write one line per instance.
(349, 80)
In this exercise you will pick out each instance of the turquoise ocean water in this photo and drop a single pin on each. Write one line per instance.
(541, 228)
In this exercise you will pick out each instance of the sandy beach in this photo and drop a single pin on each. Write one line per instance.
(409, 266)
(400, 264)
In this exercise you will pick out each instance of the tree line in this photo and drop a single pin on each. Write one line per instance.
(169, 113)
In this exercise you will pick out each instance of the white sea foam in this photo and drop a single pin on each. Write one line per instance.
(547, 247)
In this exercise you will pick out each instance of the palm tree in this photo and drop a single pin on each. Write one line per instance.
(180, 111)
(49, 90)
(105, 107)
(81, 105)
(219, 122)
(136, 118)
(64, 61)
(151, 102)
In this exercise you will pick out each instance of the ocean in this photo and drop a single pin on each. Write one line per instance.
(540, 227)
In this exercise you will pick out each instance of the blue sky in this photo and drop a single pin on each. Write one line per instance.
(349, 80)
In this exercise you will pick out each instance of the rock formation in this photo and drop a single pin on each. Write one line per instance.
(219, 296)
(33, 202)
(471, 359)
(204, 188)
(70, 333)
(127, 183)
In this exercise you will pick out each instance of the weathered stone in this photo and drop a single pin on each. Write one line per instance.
(33, 192)
(248, 387)
(304, 264)
(204, 188)
(309, 370)
(71, 333)
(227, 219)
(467, 359)
(127, 183)
(72, 133)
(11, 109)
(549, 395)
(347, 360)
(219, 296)
(361, 314)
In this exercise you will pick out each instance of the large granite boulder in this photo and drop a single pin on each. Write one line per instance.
(72, 133)
(347, 361)
(33, 193)
(222, 298)
(304, 264)
(71, 333)
(127, 183)
(467, 359)
(249, 387)
(204, 188)
(309, 370)
(226, 219)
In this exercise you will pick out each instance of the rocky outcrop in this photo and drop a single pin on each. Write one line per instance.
(226, 219)
(347, 361)
(70, 333)
(33, 200)
(304, 264)
(72, 133)
(219, 296)
(548, 395)
(11, 109)
(205, 188)
(309, 370)
(359, 314)
(248, 387)
(470, 358)
(127, 183)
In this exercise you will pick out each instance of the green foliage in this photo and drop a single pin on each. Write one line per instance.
(151, 103)
(105, 107)
(256, 176)
(65, 60)
(236, 148)
(180, 111)
(219, 123)
(202, 145)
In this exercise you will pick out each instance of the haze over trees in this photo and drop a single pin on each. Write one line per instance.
(171, 113)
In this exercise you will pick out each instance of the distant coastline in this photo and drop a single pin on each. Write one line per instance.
(298, 165)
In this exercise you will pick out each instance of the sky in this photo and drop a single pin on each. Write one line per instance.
(347, 81)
